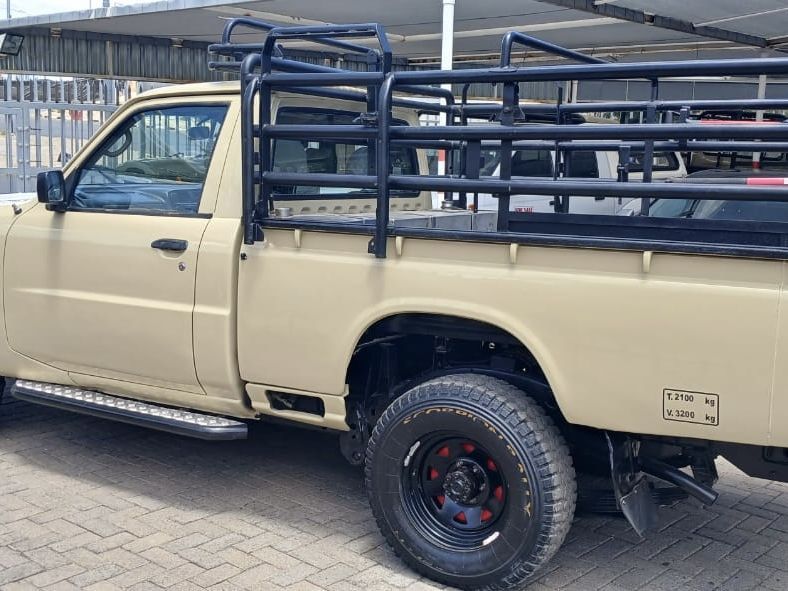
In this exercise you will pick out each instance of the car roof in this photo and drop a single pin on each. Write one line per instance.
(197, 88)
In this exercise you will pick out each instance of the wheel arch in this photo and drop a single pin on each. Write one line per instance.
(458, 322)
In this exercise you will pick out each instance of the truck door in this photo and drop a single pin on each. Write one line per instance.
(106, 288)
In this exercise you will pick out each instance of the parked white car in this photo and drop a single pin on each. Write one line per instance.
(532, 163)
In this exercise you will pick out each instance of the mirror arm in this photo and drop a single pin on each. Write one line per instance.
(57, 207)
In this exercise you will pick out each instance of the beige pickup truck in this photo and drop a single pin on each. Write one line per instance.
(207, 261)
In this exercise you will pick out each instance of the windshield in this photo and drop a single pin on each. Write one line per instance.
(672, 208)
(753, 211)
(759, 211)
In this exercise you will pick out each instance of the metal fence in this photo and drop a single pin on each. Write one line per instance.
(45, 121)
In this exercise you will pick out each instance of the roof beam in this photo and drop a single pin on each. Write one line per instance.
(739, 17)
(499, 31)
(608, 51)
(231, 11)
(664, 22)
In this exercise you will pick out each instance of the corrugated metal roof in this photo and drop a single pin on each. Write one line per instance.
(414, 25)
(760, 18)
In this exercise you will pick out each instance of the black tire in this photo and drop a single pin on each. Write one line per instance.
(497, 438)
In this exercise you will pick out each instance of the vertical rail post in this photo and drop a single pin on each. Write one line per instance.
(557, 197)
(372, 111)
(374, 64)
(378, 243)
(264, 118)
(648, 151)
(473, 158)
(510, 104)
(566, 157)
(464, 155)
(622, 170)
(250, 177)
(265, 145)
(761, 94)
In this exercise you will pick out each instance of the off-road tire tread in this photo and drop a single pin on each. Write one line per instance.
(547, 449)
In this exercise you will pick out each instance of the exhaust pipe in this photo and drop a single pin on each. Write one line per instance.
(705, 494)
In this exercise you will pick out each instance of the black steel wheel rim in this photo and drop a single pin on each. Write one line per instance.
(454, 491)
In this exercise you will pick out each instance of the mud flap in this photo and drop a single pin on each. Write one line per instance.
(639, 507)
(632, 488)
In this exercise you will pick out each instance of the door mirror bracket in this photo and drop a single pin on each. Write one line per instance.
(51, 189)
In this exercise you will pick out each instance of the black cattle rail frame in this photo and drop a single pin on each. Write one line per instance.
(265, 69)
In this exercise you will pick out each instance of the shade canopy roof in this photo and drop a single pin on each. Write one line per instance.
(624, 29)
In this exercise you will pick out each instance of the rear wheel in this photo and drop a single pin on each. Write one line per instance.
(470, 482)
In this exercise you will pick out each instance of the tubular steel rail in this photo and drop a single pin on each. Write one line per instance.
(265, 69)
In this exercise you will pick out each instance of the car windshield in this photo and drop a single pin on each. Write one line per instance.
(759, 211)
(672, 208)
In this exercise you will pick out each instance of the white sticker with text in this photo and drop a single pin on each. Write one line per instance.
(691, 407)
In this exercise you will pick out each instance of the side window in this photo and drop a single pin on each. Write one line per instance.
(532, 163)
(490, 159)
(155, 162)
(525, 163)
(327, 156)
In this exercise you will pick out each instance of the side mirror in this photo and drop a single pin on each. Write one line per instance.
(51, 189)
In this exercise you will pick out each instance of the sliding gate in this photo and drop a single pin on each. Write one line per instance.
(44, 122)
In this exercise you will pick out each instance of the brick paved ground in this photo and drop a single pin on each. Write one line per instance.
(88, 504)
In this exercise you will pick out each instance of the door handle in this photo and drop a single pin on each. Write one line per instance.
(171, 244)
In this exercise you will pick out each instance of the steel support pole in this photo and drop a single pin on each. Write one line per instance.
(447, 63)
(447, 37)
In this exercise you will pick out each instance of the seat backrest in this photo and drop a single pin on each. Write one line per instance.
(531, 163)
(357, 163)
(290, 156)
(322, 159)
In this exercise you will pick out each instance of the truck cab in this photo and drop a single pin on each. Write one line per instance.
(149, 241)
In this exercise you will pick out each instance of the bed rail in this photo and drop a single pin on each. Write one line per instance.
(264, 68)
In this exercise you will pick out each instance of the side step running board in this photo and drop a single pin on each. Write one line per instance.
(133, 412)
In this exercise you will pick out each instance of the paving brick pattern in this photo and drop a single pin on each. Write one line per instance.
(89, 504)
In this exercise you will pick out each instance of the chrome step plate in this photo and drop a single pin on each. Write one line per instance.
(145, 414)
